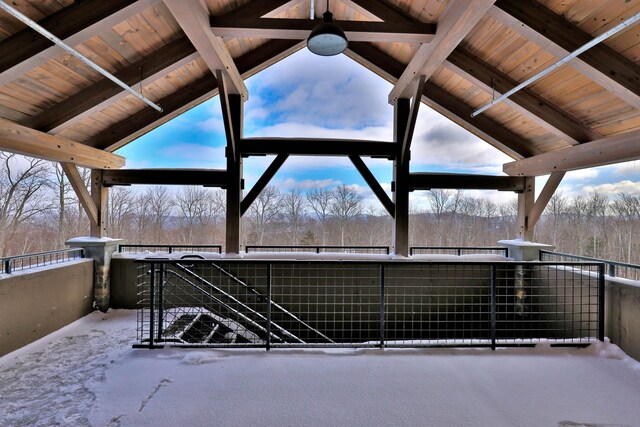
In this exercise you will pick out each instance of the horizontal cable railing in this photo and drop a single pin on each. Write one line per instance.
(458, 250)
(319, 249)
(613, 268)
(23, 262)
(278, 303)
(170, 248)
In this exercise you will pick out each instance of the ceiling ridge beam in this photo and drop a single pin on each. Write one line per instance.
(613, 149)
(445, 104)
(74, 24)
(526, 102)
(299, 29)
(559, 37)
(193, 18)
(150, 68)
(374, 185)
(262, 182)
(457, 20)
(19, 139)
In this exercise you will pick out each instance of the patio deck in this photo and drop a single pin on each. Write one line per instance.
(88, 374)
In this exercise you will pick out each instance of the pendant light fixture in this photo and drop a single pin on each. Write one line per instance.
(327, 39)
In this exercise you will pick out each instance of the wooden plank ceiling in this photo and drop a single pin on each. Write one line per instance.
(470, 57)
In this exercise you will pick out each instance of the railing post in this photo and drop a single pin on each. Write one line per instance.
(160, 301)
(493, 306)
(7, 266)
(152, 297)
(459, 251)
(612, 270)
(317, 249)
(381, 305)
(601, 302)
(268, 307)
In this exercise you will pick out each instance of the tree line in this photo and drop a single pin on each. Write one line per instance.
(39, 211)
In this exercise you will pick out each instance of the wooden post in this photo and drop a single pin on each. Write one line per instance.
(99, 194)
(400, 188)
(234, 177)
(525, 204)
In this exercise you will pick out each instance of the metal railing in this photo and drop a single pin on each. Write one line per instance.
(261, 303)
(319, 249)
(23, 262)
(458, 250)
(134, 249)
(613, 268)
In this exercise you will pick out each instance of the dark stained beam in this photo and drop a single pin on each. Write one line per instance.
(559, 37)
(205, 177)
(299, 29)
(453, 181)
(173, 105)
(446, 104)
(526, 102)
(260, 185)
(316, 147)
(74, 24)
(148, 69)
(400, 184)
(374, 185)
(413, 118)
(227, 117)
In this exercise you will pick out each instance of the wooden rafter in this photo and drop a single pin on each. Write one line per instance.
(193, 17)
(455, 181)
(173, 105)
(299, 29)
(380, 9)
(407, 138)
(543, 199)
(104, 92)
(375, 186)
(204, 177)
(446, 104)
(456, 21)
(559, 37)
(82, 192)
(526, 102)
(74, 24)
(316, 147)
(19, 139)
(227, 117)
(614, 149)
(262, 182)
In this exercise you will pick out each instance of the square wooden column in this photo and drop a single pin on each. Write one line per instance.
(526, 201)
(400, 185)
(99, 194)
(234, 177)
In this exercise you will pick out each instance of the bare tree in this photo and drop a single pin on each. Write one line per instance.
(192, 208)
(293, 205)
(264, 210)
(320, 203)
(160, 204)
(346, 205)
(121, 200)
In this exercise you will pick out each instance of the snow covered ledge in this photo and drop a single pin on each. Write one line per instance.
(523, 250)
(100, 249)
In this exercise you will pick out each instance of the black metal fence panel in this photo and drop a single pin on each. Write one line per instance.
(136, 249)
(367, 303)
(23, 262)
(612, 268)
(318, 249)
(458, 250)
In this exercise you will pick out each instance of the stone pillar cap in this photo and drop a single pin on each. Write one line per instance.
(92, 241)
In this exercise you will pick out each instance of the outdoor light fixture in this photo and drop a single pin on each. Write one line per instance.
(327, 39)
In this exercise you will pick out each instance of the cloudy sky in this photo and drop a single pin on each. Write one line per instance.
(310, 96)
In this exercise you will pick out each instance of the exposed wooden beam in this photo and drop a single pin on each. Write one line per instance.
(400, 184)
(380, 9)
(413, 118)
(227, 117)
(19, 139)
(526, 102)
(74, 24)
(374, 185)
(299, 29)
(173, 105)
(525, 204)
(543, 199)
(456, 21)
(82, 192)
(559, 37)
(149, 68)
(193, 17)
(233, 219)
(262, 182)
(100, 197)
(454, 181)
(606, 151)
(258, 9)
(204, 177)
(316, 147)
(445, 104)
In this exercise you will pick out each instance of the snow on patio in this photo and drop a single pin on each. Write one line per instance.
(88, 374)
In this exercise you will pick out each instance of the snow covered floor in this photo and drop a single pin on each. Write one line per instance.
(87, 374)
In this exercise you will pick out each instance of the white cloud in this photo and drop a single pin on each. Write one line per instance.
(582, 174)
(307, 184)
(627, 168)
(610, 189)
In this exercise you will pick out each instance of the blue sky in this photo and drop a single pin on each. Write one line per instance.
(306, 95)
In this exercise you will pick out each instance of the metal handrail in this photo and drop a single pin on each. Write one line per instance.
(40, 258)
(460, 250)
(611, 265)
(314, 248)
(172, 248)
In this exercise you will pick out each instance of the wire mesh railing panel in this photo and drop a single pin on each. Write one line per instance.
(280, 249)
(458, 250)
(437, 304)
(23, 262)
(557, 302)
(335, 304)
(612, 268)
(133, 249)
(318, 249)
